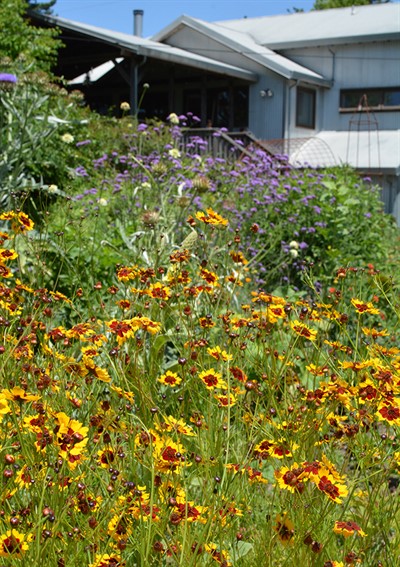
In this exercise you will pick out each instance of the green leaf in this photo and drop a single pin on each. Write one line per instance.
(243, 548)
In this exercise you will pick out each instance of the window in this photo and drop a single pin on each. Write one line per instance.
(374, 99)
(305, 107)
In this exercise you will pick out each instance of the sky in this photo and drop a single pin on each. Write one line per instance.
(117, 15)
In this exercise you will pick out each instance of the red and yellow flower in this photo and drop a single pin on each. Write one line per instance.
(107, 560)
(284, 527)
(364, 307)
(13, 544)
(331, 488)
(170, 379)
(211, 217)
(348, 529)
(219, 555)
(219, 354)
(291, 479)
(168, 455)
(210, 277)
(71, 438)
(389, 412)
(170, 423)
(7, 254)
(303, 331)
(159, 291)
(212, 379)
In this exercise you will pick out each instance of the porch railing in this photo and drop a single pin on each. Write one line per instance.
(218, 143)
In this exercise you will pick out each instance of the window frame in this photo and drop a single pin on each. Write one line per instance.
(360, 92)
(306, 91)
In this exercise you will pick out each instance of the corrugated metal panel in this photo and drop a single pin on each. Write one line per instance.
(391, 191)
(322, 27)
(390, 194)
(353, 67)
(186, 32)
(189, 39)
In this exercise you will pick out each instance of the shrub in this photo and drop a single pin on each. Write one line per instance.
(289, 221)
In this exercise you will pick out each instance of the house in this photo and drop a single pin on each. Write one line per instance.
(322, 86)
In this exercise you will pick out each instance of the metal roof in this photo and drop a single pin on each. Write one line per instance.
(150, 48)
(354, 24)
(241, 42)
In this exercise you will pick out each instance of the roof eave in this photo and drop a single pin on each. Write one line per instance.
(171, 28)
(293, 75)
(256, 57)
(143, 48)
(316, 81)
(333, 41)
(207, 65)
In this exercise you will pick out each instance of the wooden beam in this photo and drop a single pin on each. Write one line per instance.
(122, 72)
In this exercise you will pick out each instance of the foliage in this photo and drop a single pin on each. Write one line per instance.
(328, 4)
(44, 7)
(182, 381)
(167, 419)
(37, 121)
(143, 190)
(22, 43)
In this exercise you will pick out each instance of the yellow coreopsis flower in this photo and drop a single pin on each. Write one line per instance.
(219, 354)
(168, 455)
(303, 331)
(170, 379)
(159, 291)
(170, 423)
(107, 560)
(4, 407)
(284, 527)
(348, 529)
(13, 544)
(364, 307)
(212, 379)
(211, 217)
(7, 254)
(329, 486)
(17, 394)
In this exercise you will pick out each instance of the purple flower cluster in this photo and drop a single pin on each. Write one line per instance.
(8, 78)
(293, 210)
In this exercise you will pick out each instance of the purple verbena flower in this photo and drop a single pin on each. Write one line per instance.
(83, 143)
(8, 78)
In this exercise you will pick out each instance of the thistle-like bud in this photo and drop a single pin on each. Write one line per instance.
(159, 169)
(201, 184)
(150, 219)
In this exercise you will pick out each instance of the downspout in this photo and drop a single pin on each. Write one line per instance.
(292, 83)
(333, 65)
(284, 109)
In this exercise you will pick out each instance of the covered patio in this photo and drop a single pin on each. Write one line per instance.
(112, 67)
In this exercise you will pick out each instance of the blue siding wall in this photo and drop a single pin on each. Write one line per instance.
(266, 114)
(352, 67)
